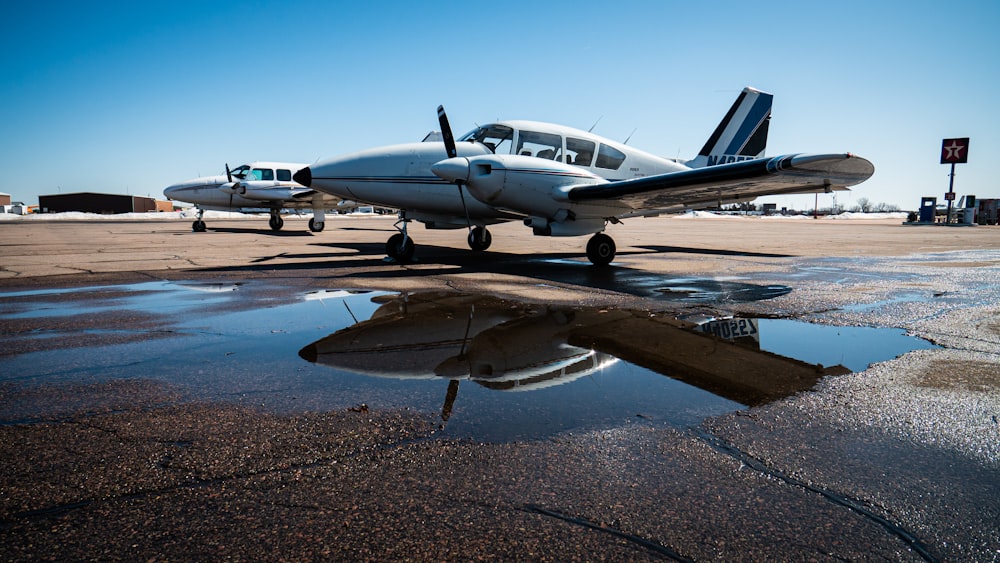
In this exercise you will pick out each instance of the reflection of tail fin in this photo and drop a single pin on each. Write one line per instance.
(742, 134)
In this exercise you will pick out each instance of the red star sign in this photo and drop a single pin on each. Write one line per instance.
(955, 151)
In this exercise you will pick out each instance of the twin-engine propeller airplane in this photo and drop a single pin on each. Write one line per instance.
(254, 185)
(566, 182)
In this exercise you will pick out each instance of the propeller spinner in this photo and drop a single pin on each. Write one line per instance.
(232, 187)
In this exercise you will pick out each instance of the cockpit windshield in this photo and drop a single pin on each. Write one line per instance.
(498, 138)
(240, 172)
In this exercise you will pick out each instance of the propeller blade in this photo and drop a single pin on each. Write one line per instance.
(449, 139)
(449, 146)
(229, 175)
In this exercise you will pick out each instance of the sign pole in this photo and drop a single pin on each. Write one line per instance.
(951, 191)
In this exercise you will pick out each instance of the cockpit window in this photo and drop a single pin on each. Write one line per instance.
(499, 138)
(541, 145)
(610, 158)
(579, 151)
(240, 172)
(284, 175)
(261, 174)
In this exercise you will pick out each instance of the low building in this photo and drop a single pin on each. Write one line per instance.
(4, 199)
(90, 202)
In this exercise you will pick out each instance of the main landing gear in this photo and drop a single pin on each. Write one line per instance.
(479, 239)
(276, 222)
(400, 246)
(601, 249)
(318, 220)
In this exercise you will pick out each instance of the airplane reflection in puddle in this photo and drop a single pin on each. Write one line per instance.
(516, 346)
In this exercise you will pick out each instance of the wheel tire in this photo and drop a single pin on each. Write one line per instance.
(398, 249)
(480, 239)
(198, 226)
(601, 249)
(316, 227)
(276, 223)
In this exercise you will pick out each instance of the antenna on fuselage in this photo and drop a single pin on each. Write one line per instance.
(591, 130)
(630, 136)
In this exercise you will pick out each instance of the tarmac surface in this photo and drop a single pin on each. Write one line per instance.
(112, 448)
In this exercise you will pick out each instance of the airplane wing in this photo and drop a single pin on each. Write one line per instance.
(780, 175)
(305, 199)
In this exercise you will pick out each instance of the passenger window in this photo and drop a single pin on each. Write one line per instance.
(542, 145)
(579, 151)
(284, 175)
(263, 174)
(610, 158)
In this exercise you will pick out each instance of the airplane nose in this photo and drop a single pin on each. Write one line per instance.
(452, 169)
(304, 177)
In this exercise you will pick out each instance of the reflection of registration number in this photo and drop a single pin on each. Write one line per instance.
(731, 329)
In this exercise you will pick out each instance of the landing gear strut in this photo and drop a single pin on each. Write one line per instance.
(199, 226)
(400, 246)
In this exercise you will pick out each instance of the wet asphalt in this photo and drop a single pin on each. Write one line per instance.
(168, 414)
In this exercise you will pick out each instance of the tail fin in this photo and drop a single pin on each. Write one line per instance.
(742, 134)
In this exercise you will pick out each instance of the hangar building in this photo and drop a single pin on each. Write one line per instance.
(90, 202)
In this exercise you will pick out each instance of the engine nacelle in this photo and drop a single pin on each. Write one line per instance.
(572, 228)
(529, 185)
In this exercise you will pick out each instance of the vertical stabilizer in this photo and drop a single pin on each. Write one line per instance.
(742, 134)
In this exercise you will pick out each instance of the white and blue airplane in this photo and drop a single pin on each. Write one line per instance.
(562, 181)
(255, 185)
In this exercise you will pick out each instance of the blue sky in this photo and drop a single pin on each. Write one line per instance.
(128, 97)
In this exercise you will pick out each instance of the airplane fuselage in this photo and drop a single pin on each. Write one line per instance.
(207, 192)
(401, 176)
(255, 185)
(260, 184)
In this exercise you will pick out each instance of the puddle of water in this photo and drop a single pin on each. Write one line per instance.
(489, 369)
(151, 297)
(607, 364)
(720, 290)
(901, 298)
(854, 347)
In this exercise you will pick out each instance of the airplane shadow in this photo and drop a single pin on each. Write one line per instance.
(566, 268)
(264, 231)
(711, 251)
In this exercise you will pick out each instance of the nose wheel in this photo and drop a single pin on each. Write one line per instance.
(316, 226)
(400, 246)
(198, 225)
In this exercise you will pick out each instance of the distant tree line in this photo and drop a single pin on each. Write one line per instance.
(864, 205)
